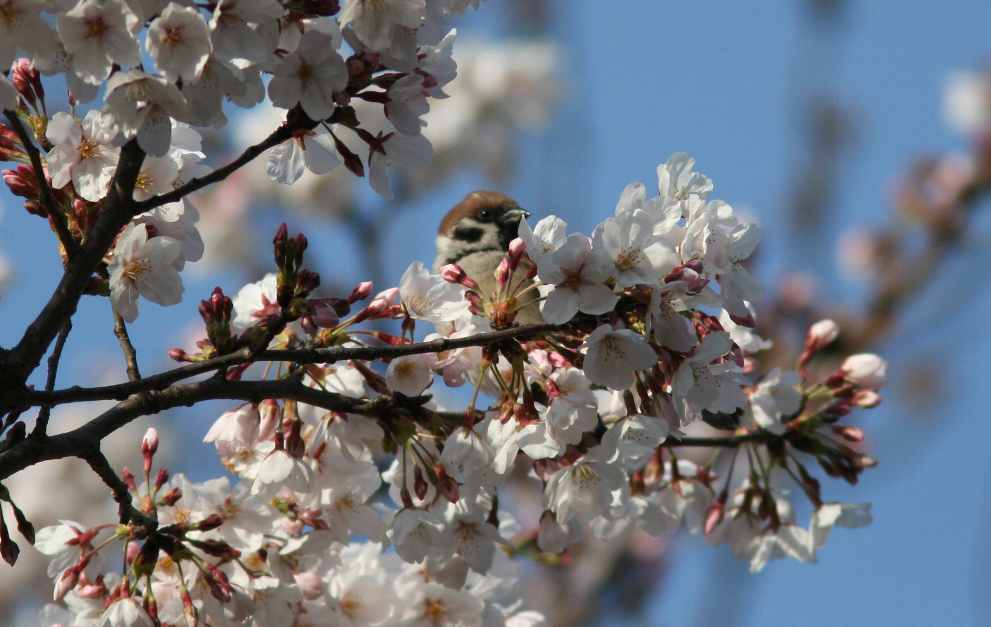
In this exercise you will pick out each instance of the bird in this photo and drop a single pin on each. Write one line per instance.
(475, 234)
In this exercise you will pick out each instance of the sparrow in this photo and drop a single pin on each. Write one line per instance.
(475, 234)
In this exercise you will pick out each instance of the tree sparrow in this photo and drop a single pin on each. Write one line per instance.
(476, 234)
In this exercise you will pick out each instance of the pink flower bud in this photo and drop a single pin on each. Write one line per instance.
(380, 307)
(132, 552)
(172, 497)
(386, 297)
(177, 354)
(714, 516)
(161, 478)
(822, 334)
(92, 591)
(21, 182)
(360, 291)
(128, 478)
(475, 304)
(22, 76)
(850, 434)
(865, 370)
(66, 582)
(149, 443)
(210, 522)
(517, 248)
(862, 462)
(453, 273)
(503, 272)
(866, 398)
(420, 484)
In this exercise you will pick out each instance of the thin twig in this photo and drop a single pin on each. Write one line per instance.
(334, 354)
(130, 355)
(41, 425)
(55, 213)
(101, 466)
(78, 442)
(278, 136)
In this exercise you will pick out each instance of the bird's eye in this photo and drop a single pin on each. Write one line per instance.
(485, 214)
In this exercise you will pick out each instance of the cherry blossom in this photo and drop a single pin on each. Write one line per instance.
(309, 76)
(82, 153)
(776, 397)
(23, 27)
(547, 236)
(375, 22)
(576, 427)
(143, 106)
(575, 282)
(699, 384)
(97, 33)
(613, 356)
(179, 42)
(144, 265)
(677, 181)
(312, 150)
(630, 252)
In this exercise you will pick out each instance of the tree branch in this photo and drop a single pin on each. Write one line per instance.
(162, 380)
(278, 136)
(41, 425)
(55, 213)
(130, 356)
(82, 441)
(78, 442)
(17, 364)
(101, 466)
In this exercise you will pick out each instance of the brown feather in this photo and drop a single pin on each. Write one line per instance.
(471, 205)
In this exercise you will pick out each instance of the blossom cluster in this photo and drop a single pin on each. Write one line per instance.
(380, 507)
(152, 73)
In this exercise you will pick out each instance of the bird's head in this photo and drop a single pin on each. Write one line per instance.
(482, 222)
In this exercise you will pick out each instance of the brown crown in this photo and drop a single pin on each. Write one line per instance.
(471, 205)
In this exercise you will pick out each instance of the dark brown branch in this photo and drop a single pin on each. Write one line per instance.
(41, 425)
(55, 213)
(732, 441)
(329, 355)
(278, 136)
(78, 442)
(101, 466)
(162, 380)
(17, 364)
(130, 356)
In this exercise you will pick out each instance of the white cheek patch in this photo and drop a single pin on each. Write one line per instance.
(444, 248)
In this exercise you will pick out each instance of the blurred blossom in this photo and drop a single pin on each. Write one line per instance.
(500, 89)
(797, 290)
(932, 191)
(224, 226)
(967, 101)
(858, 253)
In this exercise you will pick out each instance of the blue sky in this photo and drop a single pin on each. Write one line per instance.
(723, 82)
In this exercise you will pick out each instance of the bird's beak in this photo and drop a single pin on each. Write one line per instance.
(513, 216)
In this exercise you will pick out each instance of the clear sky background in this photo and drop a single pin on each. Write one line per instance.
(724, 81)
